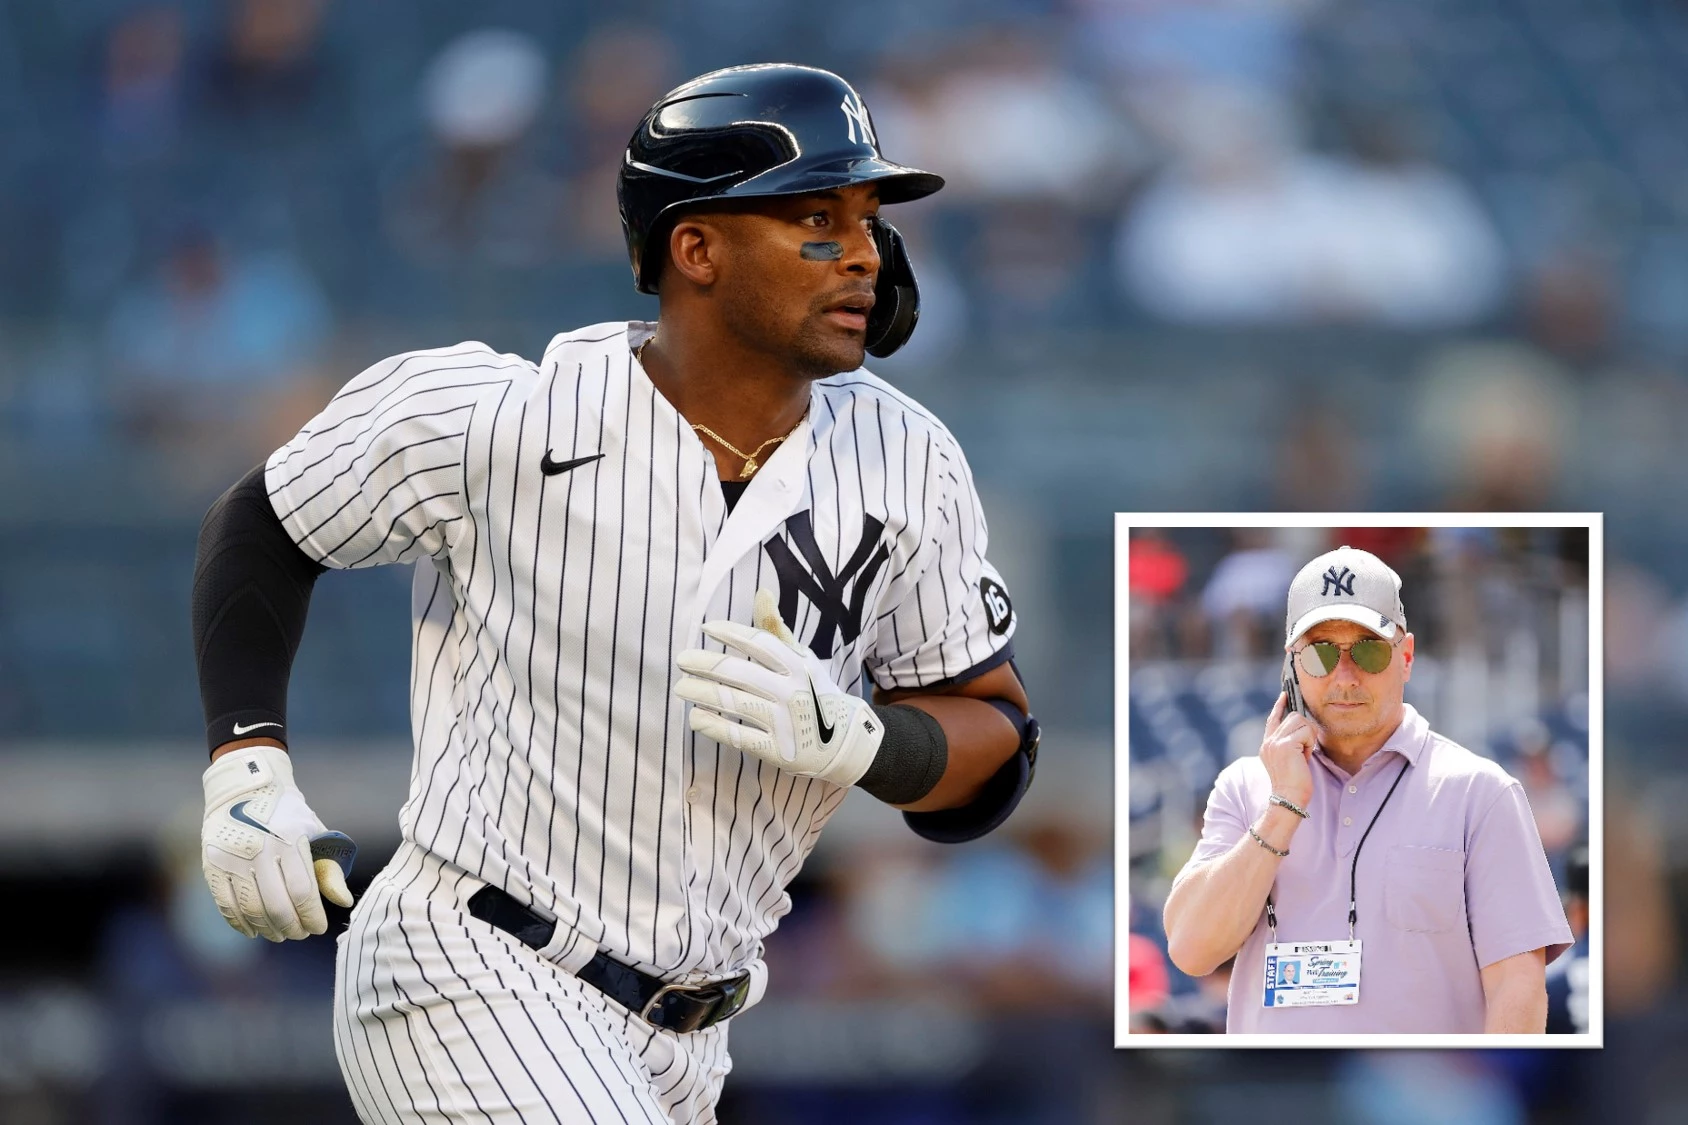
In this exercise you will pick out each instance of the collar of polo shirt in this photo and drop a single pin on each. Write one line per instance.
(1408, 739)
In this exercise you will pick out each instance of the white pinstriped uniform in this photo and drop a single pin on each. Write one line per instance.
(551, 759)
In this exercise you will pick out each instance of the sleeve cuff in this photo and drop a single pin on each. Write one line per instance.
(252, 723)
(995, 660)
(1556, 941)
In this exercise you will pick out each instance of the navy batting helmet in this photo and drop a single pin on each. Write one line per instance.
(766, 130)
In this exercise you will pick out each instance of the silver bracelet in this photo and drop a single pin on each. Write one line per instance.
(1264, 844)
(1288, 804)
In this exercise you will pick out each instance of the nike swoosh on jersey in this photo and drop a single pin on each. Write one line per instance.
(820, 716)
(238, 812)
(551, 468)
(238, 729)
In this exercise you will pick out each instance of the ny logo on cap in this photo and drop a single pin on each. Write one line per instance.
(1338, 582)
(855, 117)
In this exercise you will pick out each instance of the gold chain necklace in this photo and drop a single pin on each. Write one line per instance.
(750, 465)
(749, 459)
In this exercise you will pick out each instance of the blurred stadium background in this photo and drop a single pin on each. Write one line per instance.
(1501, 666)
(1195, 254)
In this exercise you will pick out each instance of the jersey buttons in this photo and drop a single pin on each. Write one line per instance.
(693, 793)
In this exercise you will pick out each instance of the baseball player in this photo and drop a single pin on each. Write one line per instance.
(651, 572)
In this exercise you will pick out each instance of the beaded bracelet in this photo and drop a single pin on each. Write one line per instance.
(1264, 844)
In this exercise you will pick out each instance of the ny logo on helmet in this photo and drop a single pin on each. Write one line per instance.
(1342, 580)
(855, 118)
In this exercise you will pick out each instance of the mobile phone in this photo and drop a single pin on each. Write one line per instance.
(1292, 688)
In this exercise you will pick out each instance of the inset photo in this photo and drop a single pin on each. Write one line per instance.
(1358, 770)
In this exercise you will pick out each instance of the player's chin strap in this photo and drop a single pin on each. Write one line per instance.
(1001, 794)
(896, 294)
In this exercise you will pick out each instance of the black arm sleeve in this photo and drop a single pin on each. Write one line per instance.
(251, 590)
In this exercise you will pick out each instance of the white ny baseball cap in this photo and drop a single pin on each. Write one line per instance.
(1346, 584)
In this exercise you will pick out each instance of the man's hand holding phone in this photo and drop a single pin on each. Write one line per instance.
(1287, 750)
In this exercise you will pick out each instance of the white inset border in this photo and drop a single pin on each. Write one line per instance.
(1124, 522)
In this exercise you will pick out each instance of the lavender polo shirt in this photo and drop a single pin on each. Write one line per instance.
(1453, 878)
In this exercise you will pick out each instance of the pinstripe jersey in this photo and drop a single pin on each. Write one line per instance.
(550, 599)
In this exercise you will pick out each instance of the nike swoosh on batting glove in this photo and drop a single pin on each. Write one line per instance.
(771, 697)
(256, 848)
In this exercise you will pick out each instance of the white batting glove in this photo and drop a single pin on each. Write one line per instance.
(257, 848)
(777, 700)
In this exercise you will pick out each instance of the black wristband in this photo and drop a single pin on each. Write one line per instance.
(912, 756)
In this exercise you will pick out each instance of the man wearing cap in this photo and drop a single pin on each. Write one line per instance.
(1368, 874)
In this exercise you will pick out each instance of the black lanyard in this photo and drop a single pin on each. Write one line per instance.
(1353, 871)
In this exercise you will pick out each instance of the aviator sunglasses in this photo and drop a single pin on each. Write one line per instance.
(1320, 657)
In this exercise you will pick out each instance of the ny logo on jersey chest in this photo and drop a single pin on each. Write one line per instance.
(841, 613)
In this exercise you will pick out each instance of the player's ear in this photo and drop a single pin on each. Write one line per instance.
(1407, 657)
(694, 250)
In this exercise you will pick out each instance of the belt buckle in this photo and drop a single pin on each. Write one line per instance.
(661, 993)
(730, 996)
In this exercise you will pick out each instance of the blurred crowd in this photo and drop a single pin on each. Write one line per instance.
(214, 211)
(1194, 255)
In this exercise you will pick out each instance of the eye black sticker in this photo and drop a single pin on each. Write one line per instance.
(821, 251)
(999, 611)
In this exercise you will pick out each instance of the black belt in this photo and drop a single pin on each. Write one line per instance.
(675, 1007)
